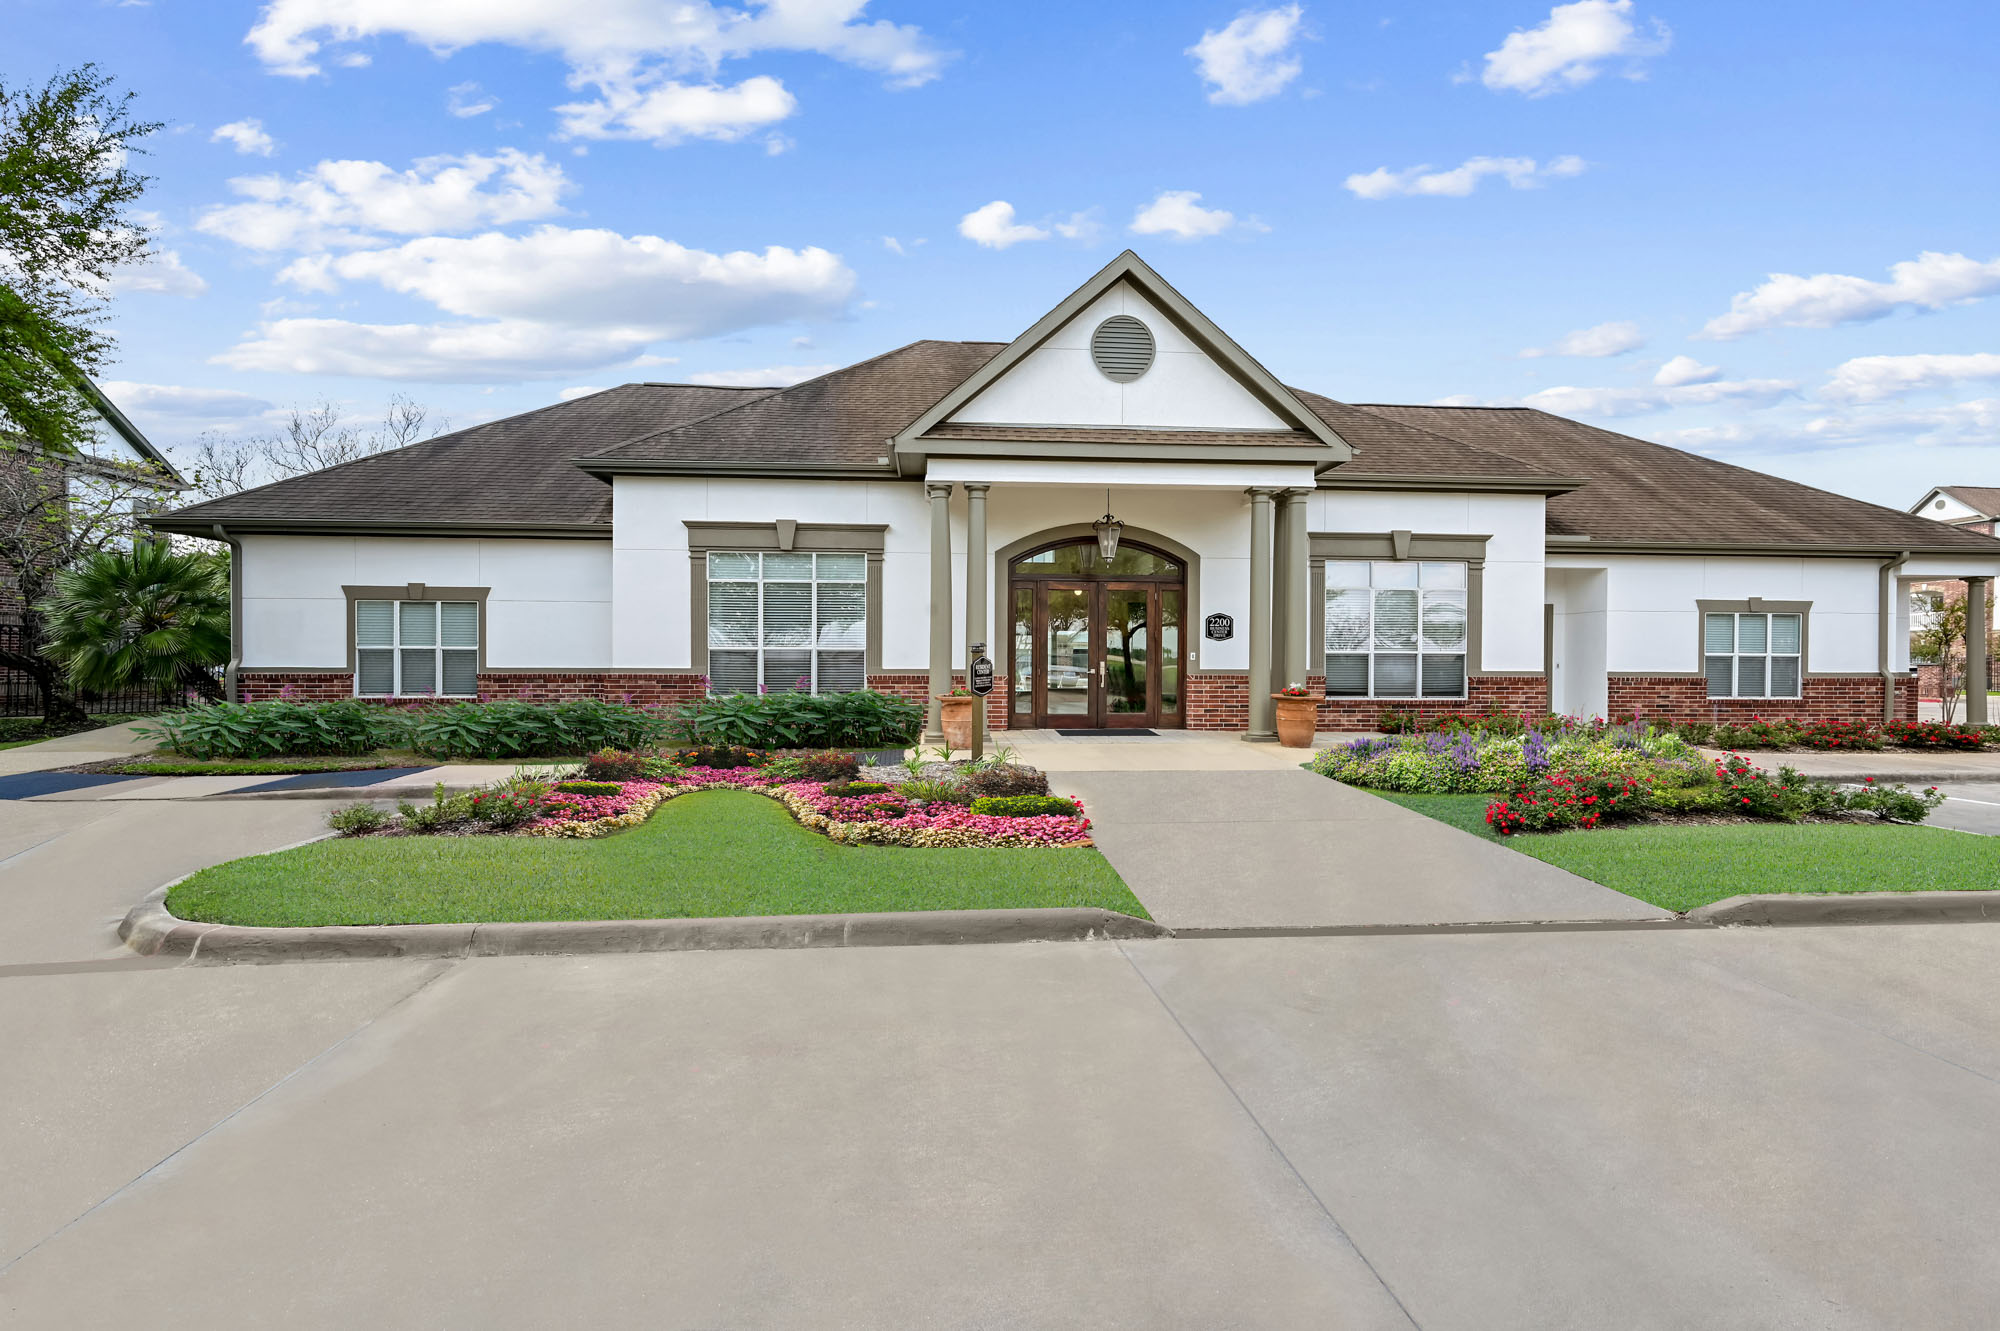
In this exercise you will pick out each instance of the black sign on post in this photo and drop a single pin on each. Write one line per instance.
(1219, 627)
(980, 681)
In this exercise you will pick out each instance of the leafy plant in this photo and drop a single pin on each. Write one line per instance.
(860, 720)
(850, 789)
(514, 803)
(1027, 806)
(442, 813)
(1934, 735)
(145, 615)
(721, 756)
(936, 790)
(260, 729)
(512, 729)
(1897, 803)
(589, 787)
(357, 819)
(614, 765)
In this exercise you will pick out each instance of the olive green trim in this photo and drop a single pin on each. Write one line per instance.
(1396, 545)
(1084, 449)
(1787, 551)
(1757, 605)
(1405, 545)
(698, 590)
(1341, 479)
(1237, 362)
(785, 534)
(410, 591)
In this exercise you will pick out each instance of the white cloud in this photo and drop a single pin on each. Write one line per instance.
(172, 400)
(1570, 401)
(466, 100)
(1178, 213)
(1569, 46)
(1973, 424)
(344, 203)
(1605, 339)
(1085, 226)
(637, 55)
(669, 112)
(902, 247)
(771, 376)
(1931, 281)
(580, 390)
(246, 136)
(1461, 180)
(555, 301)
(1873, 378)
(993, 226)
(161, 273)
(1684, 370)
(1252, 58)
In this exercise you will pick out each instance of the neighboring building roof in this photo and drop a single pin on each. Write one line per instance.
(1982, 499)
(541, 471)
(1646, 494)
(515, 472)
(121, 425)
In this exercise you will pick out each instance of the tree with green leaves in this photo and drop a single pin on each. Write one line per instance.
(148, 615)
(66, 193)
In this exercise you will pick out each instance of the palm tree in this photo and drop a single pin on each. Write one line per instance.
(147, 615)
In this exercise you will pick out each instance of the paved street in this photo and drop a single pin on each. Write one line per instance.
(1690, 1128)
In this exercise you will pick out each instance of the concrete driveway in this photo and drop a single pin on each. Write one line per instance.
(1284, 848)
(1742, 1128)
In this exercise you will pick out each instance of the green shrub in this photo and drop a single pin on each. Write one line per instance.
(1934, 735)
(442, 813)
(1396, 723)
(862, 720)
(1560, 800)
(509, 729)
(1689, 799)
(512, 803)
(827, 765)
(588, 788)
(357, 819)
(933, 790)
(260, 729)
(848, 789)
(1026, 806)
(1896, 803)
(661, 769)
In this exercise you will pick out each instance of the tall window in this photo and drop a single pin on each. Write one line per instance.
(416, 648)
(1751, 656)
(780, 623)
(1395, 628)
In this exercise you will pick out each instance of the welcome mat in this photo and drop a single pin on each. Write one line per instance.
(1120, 732)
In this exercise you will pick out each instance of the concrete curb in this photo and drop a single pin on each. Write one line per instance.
(151, 930)
(1852, 908)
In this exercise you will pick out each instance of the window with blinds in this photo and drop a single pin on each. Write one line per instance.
(416, 649)
(781, 623)
(1752, 656)
(1395, 628)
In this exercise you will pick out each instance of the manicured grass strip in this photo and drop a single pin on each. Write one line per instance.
(709, 853)
(1679, 867)
(250, 767)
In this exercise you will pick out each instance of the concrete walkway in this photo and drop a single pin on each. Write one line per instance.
(1288, 849)
(88, 746)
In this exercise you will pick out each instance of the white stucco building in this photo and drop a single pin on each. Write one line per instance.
(869, 527)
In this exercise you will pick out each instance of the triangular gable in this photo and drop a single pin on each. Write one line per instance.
(1202, 380)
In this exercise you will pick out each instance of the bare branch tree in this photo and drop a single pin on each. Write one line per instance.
(312, 439)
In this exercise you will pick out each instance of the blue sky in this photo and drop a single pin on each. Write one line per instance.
(1766, 232)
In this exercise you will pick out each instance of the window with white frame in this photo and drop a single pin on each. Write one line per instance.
(1395, 628)
(412, 649)
(1752, 655)
(787, 622)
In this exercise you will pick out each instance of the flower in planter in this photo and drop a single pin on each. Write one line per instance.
(1295, 691)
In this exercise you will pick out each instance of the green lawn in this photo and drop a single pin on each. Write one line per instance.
(1681, 867)
(709, 853)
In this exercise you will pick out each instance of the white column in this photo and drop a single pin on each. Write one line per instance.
(940, 663)
(978, 615)
(1294, 604)
(1263, 711)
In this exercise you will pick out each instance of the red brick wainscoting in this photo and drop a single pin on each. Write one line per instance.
(917, 688)
(643, 688)
(1673, 698)
(1217, 702)
(1505, 693)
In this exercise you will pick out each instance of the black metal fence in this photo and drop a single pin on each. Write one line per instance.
(20, 697)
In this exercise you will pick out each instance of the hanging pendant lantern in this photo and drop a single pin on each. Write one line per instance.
(1108, 530)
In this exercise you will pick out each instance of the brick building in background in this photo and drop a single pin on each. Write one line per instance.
(1972, 508)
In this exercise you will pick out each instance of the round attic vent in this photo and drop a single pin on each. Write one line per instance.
(1938, 504)
(1122, 348)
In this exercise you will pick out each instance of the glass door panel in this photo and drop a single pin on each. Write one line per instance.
(1024, 655)
(1169, 666)
(1066, 651)
(1128, 643)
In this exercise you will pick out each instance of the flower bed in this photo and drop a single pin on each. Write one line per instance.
(527, 807)
(1755, 732)
(1466, 761)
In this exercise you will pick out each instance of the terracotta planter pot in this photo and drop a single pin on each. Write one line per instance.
(1296, 720)
(956, 714)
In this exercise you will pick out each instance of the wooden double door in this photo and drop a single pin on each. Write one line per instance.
(1098, 655)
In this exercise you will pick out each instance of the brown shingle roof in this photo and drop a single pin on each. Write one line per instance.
(1385, 445)
(839, 420)
(1643, 493)
(512, 471)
